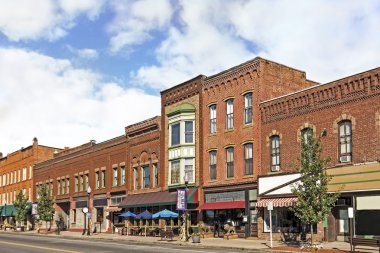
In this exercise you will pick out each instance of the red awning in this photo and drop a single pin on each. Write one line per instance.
(222, 205)
(277, 202)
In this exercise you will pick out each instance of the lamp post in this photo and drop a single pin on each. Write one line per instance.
(186, 179)
(89, 211)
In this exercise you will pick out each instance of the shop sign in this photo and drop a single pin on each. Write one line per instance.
(181, 199)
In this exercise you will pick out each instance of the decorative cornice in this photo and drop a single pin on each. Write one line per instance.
(354, 88)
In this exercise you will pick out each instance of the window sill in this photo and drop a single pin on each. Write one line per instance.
(229, 130)
(248, 176)
(212, 181)
(212, 134)
(248, 125)
(229, 178)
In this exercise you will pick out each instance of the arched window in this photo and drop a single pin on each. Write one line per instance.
(248, 159)
(306, 133)
(345, 141)
(275, 152)
(230, 161)
(213, 172)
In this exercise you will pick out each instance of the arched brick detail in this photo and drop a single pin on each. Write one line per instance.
(303, 126)
(274, 132)
(344, 116)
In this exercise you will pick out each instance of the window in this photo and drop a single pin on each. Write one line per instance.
(81, 183)
(230, 161)
(23, 174)
(19, 176)
(189, 169)
(213, 165)
(103, 178)
(67, 185)
(230, 114)
(76, 183)
(155, 170)
(248, 108)
(122, 172)
(175, 134)
(306, 133)
(59, 187)
(30, 172)
(213, 119)
(97, 180)
(51, 188)
(136, 178)
(189, 132)
(275, 152)
(74, 215)
(63, 182)
(114, 181)
(146, 177)
(99, 214)
(345, 141)
(175, 166)
(86, 180)
(248, 159)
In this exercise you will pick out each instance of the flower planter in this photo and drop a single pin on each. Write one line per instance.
(196, 238)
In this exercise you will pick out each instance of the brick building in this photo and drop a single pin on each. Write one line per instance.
(102, 167)
(345, 113)
(231, 137)
(16, 174)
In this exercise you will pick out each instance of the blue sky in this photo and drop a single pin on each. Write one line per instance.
(71, 71)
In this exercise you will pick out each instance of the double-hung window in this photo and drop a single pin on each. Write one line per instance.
(136, 178)
(345, 141)
(230, 162)
(114, 181)
(189, 169)
(146, 177)
(189, 132)
(248, 159)
(213, 119)
(175, 171)
(275, 152)
(213, 165)
(155, 170)
(230, 114)
(122, 172)
(306, 133)
(248, 108)
(175, 134)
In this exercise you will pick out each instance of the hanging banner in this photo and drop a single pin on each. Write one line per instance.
(181, 199)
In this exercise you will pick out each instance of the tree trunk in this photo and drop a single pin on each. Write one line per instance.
(311, 234)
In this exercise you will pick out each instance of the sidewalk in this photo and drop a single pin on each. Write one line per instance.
(237, 244)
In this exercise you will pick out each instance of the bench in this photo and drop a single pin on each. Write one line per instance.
(365, 242)
(166, 234)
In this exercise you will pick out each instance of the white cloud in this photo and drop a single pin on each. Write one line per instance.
(86, 53)
(327, 39)
(134, 20)
(49, 19)
(61, 105)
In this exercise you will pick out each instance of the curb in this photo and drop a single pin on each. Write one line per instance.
(175, 243)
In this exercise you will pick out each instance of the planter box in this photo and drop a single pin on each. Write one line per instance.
(196, 239)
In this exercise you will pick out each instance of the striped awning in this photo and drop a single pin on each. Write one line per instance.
(157, 198)
(277, 202)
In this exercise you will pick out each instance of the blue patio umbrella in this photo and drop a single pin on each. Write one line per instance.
(128, 214)
(144, 215)
(165, 214)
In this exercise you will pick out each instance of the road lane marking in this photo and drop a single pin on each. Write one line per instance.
(38, 247)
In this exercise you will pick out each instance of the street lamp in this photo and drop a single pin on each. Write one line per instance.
(186, 179)
(89, 212)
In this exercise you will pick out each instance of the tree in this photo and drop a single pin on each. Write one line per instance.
(314, 202)
(20, 205)
(45, 208)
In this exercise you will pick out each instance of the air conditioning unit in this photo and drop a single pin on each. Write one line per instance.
(276, 168)
(345, 159)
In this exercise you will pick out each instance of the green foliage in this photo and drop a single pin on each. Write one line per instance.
(314, 202)
(20, 205)
(45, 208)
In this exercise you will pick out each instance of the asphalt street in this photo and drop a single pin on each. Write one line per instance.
(17, 243)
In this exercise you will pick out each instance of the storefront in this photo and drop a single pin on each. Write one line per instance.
(235, 205)
(154, 202)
